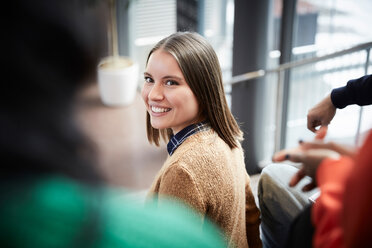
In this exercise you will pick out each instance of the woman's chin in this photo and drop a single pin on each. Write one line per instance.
(158, 126)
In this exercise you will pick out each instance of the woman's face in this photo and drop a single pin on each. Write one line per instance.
(168, 98)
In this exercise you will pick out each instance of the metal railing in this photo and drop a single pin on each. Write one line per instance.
(280, 119)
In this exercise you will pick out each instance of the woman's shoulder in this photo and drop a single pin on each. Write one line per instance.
(204, 151)
(206, 144)
(200, 145)
(201, 141)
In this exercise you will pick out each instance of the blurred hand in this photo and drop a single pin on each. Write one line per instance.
(310, 160)
(281, 155)
(321, 114)
(344, 150)
(311, 154)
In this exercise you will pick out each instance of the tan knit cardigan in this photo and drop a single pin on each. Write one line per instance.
(210, 177)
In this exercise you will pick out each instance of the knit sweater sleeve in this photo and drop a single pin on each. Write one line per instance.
(357, 91)
(252, 217)
(179, 183)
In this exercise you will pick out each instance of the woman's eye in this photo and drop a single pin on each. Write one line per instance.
(148, 80)
(170, 82)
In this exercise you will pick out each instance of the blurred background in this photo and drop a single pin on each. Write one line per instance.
(284, 43)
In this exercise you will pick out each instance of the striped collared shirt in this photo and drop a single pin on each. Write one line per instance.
(182, 135)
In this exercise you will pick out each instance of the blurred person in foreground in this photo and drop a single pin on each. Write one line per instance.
(52, 194)
(293, 180)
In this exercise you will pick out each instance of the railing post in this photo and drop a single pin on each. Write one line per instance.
(287, 41)
(368, 50)
(247, 99)
(279, 111)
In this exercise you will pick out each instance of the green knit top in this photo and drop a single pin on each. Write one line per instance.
(59, 212)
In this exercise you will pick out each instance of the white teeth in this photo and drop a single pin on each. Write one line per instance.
(159, 110)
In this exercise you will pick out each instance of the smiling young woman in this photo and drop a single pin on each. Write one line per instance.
(186, 106)
(169, 100)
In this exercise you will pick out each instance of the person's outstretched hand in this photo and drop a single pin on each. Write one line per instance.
(281, 155)
(310, 160)
(321, 114)
(343, 150)
(311, 154)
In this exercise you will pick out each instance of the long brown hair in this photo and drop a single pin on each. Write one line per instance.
(200, 67)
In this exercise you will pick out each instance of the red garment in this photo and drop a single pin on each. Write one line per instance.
(326, 212)
(357, 211)
(342, 213)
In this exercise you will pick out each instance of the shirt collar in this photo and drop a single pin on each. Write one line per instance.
(182, 135)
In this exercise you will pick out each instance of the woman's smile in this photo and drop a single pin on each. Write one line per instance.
(155, 109)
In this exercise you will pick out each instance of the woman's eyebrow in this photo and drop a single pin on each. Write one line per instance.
(172, 76)
(165, 77)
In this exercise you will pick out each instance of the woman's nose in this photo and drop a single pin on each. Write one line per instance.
(156, 92)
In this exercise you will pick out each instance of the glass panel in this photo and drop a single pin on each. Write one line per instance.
(325, 26)
(310, 84)
(217, 28)
(269, 112)
(149, 22)
(274, 33)
(332, 25)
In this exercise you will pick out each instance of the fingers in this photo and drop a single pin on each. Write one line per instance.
(309, 186)
(312, 124)
(316, 144)
(321, 114)
(281, 155)
(345, 150)
(296, 157)
(297, 178)
(321, 132)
